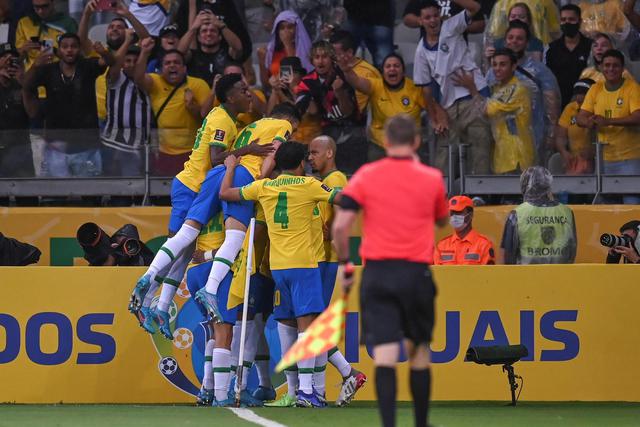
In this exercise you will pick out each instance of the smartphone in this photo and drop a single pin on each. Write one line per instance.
(106, 5)
(286, 73)
(14, 62)
(35, 39)
(47, 44)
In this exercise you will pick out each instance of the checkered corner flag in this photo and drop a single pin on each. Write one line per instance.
(322, 335)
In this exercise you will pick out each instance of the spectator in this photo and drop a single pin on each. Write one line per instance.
(153, 14)
(574, 143)
(216, 45)
(7, 29)
(16, 158)
(612, 108)
(42, 27)
(179, 103)
(345, 47)
(545, 23)
(70, 116)
(319, 17)
(540, 230)
(605, 16)
(283, 89)
(629, 254)
(448, 8)
(441, 53)
(16, 253)
(168, 41)
(601, 44)
(371, 24)
(518, 12)
(325, 92)
(568, 55)
(542, 84)
(629, 9)
(509, 111)
(128, 124)
(465, 246)
(288, 38)
(258, 99)
(259, 16)
(392, 94)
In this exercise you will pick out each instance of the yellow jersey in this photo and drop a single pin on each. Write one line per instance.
(317, 235)
(579, 138)
(176, 126)
(245, 119)
(46, 32)
(387, 102)
(622, 141)
(219, 130)
(602, 17)
(266, 131)
(211, 236)
(288, 203)
(309, 128)
(336, 180)
(366, 71)
(509, 111)
(544, 15)
(597, 76)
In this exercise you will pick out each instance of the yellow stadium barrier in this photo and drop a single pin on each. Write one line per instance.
(65, 336)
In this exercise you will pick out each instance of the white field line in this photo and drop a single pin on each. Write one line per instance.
(249, 415)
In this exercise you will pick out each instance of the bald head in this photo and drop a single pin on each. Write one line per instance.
(322, 154)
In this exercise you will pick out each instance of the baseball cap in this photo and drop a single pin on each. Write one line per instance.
(582, 86)
(169, 29)
(7, 48)
(460, 203)
(295, 64)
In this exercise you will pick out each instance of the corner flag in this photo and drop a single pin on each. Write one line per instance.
(239, 268)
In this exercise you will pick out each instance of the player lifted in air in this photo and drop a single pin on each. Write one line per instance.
(288, 202)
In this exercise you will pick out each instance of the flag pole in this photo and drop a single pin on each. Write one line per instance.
(245, 309)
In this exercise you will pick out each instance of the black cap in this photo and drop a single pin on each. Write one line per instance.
(133, 50)
(293, 62)
(173, 28)
(8, 48)
(582, 86)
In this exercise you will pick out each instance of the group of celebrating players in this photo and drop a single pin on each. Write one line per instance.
(212, 205)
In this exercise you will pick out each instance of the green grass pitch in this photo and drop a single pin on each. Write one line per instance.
(444, 414)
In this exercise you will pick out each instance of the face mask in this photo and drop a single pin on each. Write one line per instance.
(570, 30)
(457, 221)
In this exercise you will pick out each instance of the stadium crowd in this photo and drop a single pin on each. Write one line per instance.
(548, 79)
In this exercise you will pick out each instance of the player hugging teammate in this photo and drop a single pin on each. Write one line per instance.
(213, 200)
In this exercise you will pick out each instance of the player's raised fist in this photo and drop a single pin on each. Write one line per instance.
(231, 161)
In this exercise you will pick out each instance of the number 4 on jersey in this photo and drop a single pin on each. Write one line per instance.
(280, 216)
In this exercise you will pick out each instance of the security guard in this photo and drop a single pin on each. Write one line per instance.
(465, 246)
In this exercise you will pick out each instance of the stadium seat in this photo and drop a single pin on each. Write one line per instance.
(98, 33)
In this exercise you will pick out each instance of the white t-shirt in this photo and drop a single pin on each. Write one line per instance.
(438, 63)
(153, 15)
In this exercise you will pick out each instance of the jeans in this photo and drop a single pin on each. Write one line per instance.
(62, 165)
(377, 38)
(122, 163)
(624, 167)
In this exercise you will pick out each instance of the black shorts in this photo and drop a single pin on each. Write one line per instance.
(396, 302)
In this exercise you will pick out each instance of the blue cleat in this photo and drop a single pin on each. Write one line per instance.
(165, 324)
(311, 400)
(150, 320)
(224, 403)
(205, 397)
(140, 291)
(247, 400)
(264, 394)
(210, 303)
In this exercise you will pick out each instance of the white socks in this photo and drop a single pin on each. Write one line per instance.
(221, 367)
(288, 335)
(339, 362)
(174, 277)
(207, 376)
(172, 248)
(319, 371)
(262, 354)
(250, 347)
(224, 259)
(305, 371)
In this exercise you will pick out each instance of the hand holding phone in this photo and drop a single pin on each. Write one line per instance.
(286, 73)
(106, 5)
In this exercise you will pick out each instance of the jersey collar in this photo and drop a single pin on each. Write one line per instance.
(235, 119)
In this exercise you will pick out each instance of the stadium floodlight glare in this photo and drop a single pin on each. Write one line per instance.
(505, 355)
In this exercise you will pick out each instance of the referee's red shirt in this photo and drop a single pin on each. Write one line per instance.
(401, 199)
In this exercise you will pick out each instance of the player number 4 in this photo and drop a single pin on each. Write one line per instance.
(280, 216)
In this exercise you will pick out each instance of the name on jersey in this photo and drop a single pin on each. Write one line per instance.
(289, 180)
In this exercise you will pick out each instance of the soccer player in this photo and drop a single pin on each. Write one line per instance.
(322, 152)
(401, 200)
(213, 140)
(288, 202)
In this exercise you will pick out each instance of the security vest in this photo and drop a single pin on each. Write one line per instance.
(546, 234)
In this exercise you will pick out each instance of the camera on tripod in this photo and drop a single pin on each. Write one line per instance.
(611, 240)
(123, 248)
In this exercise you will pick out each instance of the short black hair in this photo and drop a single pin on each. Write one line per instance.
(225, 84)
(68, 36)
(517, 24)
(614, 53)
(345, 39)
(290, 155)
(286, 110)
(573, 8)
(394, 55)
(505, 51)
(426, 4)
(631, 225)
(232, 63)
(177, 52)
(117, 18)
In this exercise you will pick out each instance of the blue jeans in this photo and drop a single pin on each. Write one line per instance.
(377, 38)
(624, 167)
(122, 163)
(63, 165)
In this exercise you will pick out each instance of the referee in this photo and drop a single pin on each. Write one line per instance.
(401, 200)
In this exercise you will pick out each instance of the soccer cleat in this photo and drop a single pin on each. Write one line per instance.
(321, 397)
(205, 397)
(310, 400)
(285, 401)
(140, 291)
(165, 324)
(150, 318)
(224, 403)
(264, 393)
(350, 386)
(210, 303)
(247, 400)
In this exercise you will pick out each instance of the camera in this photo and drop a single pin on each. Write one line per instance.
(124, 248)
(611, 240)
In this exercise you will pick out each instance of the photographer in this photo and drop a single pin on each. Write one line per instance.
(627, 245)
(124, 248)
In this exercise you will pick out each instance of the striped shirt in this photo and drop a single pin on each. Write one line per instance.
(128, 116)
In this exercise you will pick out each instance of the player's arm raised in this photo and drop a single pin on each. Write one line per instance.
(227, 192)
(218, 154)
